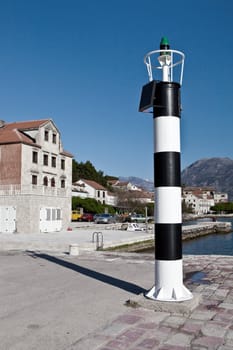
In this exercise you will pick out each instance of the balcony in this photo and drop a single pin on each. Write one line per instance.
(14, 190)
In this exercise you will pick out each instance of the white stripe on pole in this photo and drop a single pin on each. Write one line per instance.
(169, 209)
(169, 282)
(166, 134)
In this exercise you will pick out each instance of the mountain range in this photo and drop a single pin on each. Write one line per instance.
(213, 172)
(137, 181)
(210, 172)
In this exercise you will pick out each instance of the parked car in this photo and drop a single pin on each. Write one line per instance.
(75, 215)
(105, 219)
(96, 216)
(87, 217)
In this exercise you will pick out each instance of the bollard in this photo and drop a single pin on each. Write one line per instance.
(73, 249)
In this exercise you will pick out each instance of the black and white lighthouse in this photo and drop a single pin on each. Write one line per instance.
(163, 97)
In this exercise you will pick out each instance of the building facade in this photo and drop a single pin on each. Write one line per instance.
(201, 199)
(90, 189)
(35, 178)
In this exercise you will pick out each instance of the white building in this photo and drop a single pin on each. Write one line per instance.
(35, 178)
(220, 197)
(124, 185)
(90, 189)
(201, 199)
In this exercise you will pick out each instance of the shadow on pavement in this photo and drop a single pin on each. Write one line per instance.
(115, 282)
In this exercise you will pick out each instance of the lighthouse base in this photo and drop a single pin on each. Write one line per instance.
(169, 282)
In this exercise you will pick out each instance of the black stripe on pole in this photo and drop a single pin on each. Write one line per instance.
(167, 99)
(168, 241)
(167, 169)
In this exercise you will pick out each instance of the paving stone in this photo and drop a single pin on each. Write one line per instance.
(192, 326)
(148, 343)
(148, 325)
(226, 306)
(162, 335)
(210, 342)
(180, 338)
(210, 302)
(174, 321)
(221, 293)
(202, 315)
(229, 334)
(229, 342)
(171, 347)
(131, 335)
(223, 317)
(114, 345)
(217, 328)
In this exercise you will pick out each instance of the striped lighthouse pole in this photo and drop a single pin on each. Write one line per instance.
(165, 101)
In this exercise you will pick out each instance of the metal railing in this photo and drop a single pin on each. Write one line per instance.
(12, 190)
(99, 240)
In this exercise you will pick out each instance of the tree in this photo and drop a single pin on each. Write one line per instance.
(127, 202)
(87, 171)
(90, 205)
(186, 208)
(223, 207)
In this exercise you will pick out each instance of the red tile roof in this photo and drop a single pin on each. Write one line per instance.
(14, 132)
(94, 184)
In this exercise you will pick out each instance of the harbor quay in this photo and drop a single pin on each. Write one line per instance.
(90, 237)
(95, 300)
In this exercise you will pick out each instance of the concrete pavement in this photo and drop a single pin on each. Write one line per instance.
(51, 300)
(76, 233)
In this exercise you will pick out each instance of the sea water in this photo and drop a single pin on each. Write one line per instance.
(216, 244)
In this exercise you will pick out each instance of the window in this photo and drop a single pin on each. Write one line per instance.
(98, 193)
(54, 138)
(53, 214)
(53, 162)
(45, 181)
(46, 159)
(48, 214)
(63, 164)
(34, 157)
(63, 183)
(58, 214)
(34, 179)
(52, 182)
(46, 135)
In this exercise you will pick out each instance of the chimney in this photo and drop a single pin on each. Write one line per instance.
(2, 123)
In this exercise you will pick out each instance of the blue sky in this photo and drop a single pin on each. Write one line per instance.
(81, 64)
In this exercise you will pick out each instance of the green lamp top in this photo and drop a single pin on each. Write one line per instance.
(164, 41)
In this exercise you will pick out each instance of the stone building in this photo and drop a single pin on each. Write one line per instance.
(35, 178)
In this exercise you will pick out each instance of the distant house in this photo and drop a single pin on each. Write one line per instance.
(124, 185)
(142, 196)
(201, 199)
(90, 189)
(220, 197)
(35, 178)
